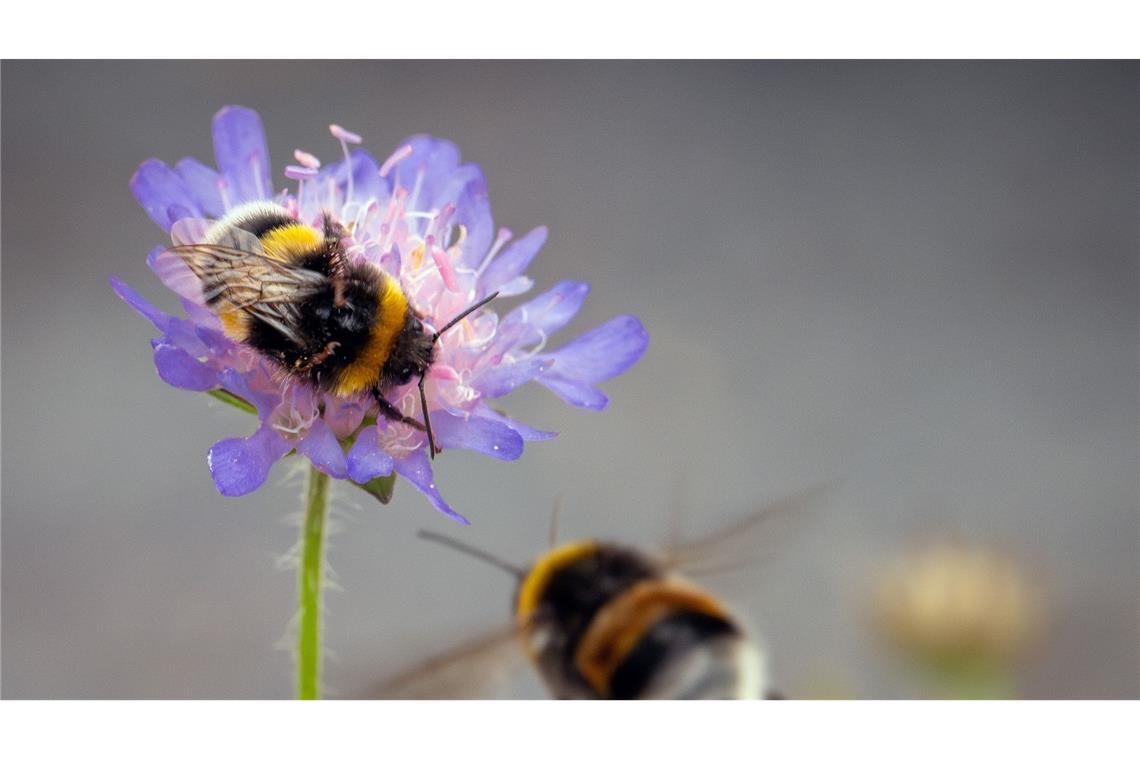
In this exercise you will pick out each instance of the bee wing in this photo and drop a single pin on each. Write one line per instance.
(467, 671)
(746, 542)
(172, 267)
(230, 271)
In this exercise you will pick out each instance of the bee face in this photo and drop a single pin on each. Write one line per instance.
(412, 354)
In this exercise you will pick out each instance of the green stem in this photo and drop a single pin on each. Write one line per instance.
(312, 558)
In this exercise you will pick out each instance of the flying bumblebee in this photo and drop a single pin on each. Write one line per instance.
(290, 292)
(600, 620)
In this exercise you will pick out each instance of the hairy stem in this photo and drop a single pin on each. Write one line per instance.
(309, 591)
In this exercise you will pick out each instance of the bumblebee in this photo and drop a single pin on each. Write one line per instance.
(604, 621)
(601, 620)
(290, 292)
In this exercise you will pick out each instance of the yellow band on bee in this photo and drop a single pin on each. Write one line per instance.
(624, 621)
(536, 581)
(291, 242)
(391, 313)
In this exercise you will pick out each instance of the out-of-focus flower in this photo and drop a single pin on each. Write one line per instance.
(424, 218)
(959, 606)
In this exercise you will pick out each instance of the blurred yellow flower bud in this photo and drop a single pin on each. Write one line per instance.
(955, 605)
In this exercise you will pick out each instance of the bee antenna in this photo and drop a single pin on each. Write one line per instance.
(423, 377)
(427, 418)
(463, 314)
(471, 551)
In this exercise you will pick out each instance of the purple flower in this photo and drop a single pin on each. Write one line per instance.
(425, 219)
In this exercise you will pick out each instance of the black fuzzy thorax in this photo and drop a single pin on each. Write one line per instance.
(335, 327)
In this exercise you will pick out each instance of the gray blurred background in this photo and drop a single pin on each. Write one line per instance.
(916, 279)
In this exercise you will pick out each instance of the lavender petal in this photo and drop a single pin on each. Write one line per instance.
(501, 379)
(181, 370)
(416, 469)
(159, 319)
(576, 393)
(241, 465)
(604, 352)
(163, 194)
(546, 314)
(323, 450)
(242, 155)
(512, 261)
(481, 434)
(202, 182)
(526, 432)
(366, 459)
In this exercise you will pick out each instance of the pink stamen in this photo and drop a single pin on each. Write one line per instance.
(308, 160)
(300, 173)
(443, 372)
(443, 263)
(344, 135)
(441, 220)
(399, 155)
(345, 138)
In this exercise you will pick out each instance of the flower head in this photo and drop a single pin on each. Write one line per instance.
(424, 219)
(958, 605)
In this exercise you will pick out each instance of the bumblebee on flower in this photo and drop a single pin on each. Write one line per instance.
(350, 314)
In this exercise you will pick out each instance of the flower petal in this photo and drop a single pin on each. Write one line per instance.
(433, 178)
(577, 393)
(159, 319)
(429, 164)
(164, 195)
(323, 450)
(242, 155)
(416, 469)
(468, 191)
(180, 369)
(543, 315)
(512, 262)
(366, 181)
(604, 352)
(366, 460)
(343, 415)
(239, 385)
(598, 355)
(516, 287)
(202, 181)
(174, 273)
(526, 432)
(241, 465)
(501, 379)
(486, 436)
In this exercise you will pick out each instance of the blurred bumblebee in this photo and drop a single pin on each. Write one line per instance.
(290, 292)
(600, 620)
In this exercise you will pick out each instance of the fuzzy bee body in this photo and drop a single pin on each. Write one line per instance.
(335, 324)
(602, 621)
(290, 292)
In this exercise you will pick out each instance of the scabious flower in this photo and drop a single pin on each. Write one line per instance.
(424, 218)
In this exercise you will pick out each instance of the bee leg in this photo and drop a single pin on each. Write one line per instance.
(395, 414)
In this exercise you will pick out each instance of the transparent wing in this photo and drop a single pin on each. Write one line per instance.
(192, 231)
(469, 670)
(226, 270)
(746, 542)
